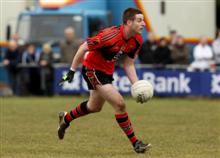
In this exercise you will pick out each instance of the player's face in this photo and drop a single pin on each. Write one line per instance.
(138, 24)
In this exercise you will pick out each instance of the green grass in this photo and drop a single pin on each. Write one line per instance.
(176, 128)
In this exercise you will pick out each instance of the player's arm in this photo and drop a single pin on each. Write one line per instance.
(130, 70)
(129, 66)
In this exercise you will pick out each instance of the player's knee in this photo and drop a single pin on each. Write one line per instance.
(120, 105)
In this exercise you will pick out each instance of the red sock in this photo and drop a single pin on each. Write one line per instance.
(125, 124)
(76, 112)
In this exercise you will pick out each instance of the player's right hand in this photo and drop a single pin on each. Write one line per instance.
(67, 77)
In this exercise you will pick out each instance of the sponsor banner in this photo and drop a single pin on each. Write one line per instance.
(165, 82)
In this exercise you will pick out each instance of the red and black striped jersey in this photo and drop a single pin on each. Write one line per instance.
(107, 46)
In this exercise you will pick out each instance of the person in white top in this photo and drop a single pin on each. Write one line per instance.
(216, 48)
(203, 56)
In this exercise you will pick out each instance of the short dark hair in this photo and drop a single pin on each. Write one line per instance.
(129, 14)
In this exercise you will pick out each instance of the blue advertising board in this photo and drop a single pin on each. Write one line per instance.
(165, 82)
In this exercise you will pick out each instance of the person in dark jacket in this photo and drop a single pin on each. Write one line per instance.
(180, 53)
(162, 55)
(146, 55)
(11, 61)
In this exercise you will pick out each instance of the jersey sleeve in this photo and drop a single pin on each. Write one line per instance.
(102, 39)
(95, 42)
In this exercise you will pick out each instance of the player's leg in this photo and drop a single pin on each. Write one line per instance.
(111, 95)
(94, 104)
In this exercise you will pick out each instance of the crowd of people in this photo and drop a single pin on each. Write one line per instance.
(30, 70)
(174, 50)
(163, 51)
(26, 65)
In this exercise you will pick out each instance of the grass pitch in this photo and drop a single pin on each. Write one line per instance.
(176, 128)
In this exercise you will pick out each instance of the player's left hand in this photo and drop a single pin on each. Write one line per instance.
(67, 77)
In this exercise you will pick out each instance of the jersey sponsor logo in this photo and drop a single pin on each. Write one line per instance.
(116, 57)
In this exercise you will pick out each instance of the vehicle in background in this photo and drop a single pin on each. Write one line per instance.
(46, 24)
(47, 21)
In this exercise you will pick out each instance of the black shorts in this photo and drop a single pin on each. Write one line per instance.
(95, 77)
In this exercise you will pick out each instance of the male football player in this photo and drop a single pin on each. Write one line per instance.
(104, 50)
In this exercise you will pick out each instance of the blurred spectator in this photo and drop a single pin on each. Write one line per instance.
(180, 53)
(69, 47)
(30, 56)
(172, 39)
(216, 48)
(162, 55)
(46, 72)
(203, 56)
(15, 37)
(11, 60)
(20, 42)
(146, 54)
(31, 75)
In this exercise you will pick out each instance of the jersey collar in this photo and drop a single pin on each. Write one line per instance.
(122, 32)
